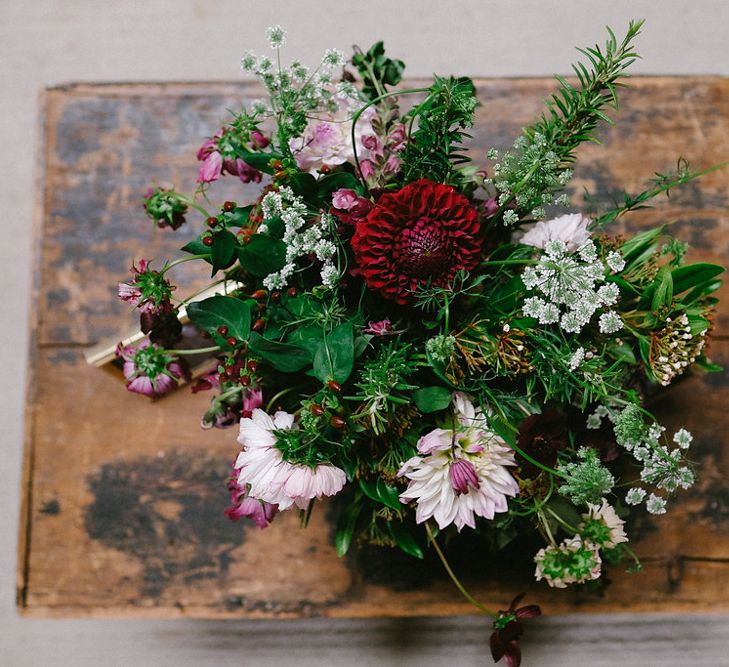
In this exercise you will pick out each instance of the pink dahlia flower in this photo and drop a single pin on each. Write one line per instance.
(273, 479)
(571, 229)
(150, 370)
(460, 475)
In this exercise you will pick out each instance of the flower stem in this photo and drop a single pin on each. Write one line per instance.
(180, 260)
(453, 577)
(199, 350)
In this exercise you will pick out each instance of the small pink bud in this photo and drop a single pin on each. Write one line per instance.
(463, 475)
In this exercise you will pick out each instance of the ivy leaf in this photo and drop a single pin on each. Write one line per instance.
(334, 356)
(222, 251)
(432, 399)
(220, 310)
(262, 255)
(283, 357)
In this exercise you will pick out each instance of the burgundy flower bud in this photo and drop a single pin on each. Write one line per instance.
(259, 139)
(463, 475)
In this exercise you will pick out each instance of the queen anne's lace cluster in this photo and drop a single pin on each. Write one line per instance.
(663, 467)
(571, 288)
(302, 238)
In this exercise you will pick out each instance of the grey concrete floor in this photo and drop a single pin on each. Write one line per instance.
(46, 42)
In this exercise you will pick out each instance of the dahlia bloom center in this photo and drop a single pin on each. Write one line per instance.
(423, 249)
(421, 235)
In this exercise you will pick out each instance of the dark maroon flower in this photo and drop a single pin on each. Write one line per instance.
(151, 370)
(541, 437)
(242, 505)
(508, 628)
(148, 290)
(423, 234)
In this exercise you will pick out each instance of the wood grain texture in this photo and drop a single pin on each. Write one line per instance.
(123, 513)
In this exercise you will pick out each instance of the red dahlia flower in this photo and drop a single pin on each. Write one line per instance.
(422, 234)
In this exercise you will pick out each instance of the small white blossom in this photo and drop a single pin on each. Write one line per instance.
(577, 358)
(683, 438)
(615, 261)
(276, 36)
(609, 294)
(655, 504)
(510, 217)
(610, 322)
(605, 514)
(635, 496)
(333, 58)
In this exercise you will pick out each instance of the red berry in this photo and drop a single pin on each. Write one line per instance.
(252, 365)
(316, 410)
(337, 422)
(211, 222)
(259, 325)
(231, 341)
(228, 206)
(245, 380)
(324, 169)
(276, 296)
(292, 292)
(259, 294)
(223, 330)
(277, 165)
(207, 240)
(334, 386)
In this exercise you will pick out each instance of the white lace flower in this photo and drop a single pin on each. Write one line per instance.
(461, 474)
(271, 478)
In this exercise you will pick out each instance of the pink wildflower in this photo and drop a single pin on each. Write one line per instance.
(151, 370)
(242, 505)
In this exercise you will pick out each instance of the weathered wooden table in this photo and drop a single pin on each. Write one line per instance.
(123, 498)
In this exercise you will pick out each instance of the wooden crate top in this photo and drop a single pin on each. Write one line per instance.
(123, 498)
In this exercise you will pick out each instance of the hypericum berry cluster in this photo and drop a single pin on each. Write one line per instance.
(571, 289)
(302, 238)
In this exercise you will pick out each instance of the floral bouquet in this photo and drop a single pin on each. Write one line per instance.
(440, 344)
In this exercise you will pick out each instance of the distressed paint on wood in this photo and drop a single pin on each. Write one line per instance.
(123, 513)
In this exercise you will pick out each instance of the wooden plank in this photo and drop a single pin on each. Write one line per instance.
(125, 497)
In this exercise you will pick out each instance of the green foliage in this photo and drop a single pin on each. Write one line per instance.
(538, 166)
(217, 311)
(435, 149)
(377, 70)
(262, 255)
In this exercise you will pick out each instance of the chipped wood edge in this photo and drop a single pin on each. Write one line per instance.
(38, 216)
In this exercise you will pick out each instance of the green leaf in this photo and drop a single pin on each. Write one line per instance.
(262, 255)
(222, 251)
(334, 356)
(690, 275)
(304, 185)
(220, 310)
(663, 295)
(346, 526)
(239, 216)
(404, 539)
(260, 161)
(370, 490)
(432, 399)
(389, 495)
(282, 356)
(197, 247)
